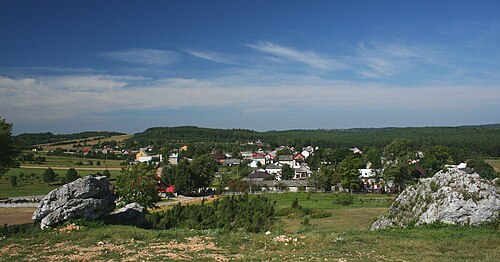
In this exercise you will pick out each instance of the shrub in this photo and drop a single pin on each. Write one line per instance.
(343, 199)
(254, 214)
(305, 221)
(318, 213)
(434, 187)
(13, 181)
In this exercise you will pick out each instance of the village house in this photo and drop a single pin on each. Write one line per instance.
(299, 158)
(230, 162)
(275, 170)
(303, 172)
(143, 157)
(258, 175)
(284, 185)
(286, 160)
(173, 158)
(369, 179)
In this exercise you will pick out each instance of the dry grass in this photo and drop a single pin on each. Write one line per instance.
(495, 163)
(18, 215)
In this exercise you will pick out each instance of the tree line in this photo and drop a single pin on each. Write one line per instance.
(468, 140)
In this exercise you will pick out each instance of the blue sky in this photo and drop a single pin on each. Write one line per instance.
(71, 66)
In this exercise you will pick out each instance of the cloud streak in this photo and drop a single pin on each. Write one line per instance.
(147, 57)
(309, 58)
(210, 56)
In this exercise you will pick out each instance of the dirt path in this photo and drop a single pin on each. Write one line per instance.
(184, 200)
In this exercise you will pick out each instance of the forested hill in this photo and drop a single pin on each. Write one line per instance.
(29, 139)
(480, 139)
(195, 134)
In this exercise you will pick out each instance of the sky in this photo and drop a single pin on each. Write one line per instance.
(72, 66)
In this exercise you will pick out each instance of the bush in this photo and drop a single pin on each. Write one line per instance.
(343, 199)
(318, 213)
(434, 187)
(13, 181)
(254, 214)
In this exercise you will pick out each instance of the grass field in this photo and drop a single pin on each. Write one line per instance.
(495, 163)
(35, 186)
(345, 236)
(69, 161)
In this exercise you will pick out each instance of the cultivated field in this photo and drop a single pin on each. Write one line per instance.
(34, 186)
(68, 144)
(344, 236)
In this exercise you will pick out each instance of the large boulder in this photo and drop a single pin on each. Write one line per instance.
(452, 196)
(89, 198)
(132, 214)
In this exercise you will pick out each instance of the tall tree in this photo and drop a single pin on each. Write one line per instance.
(138, 183)
(484, 169)
(203, 168)
(71, 175)
(324, 178)
(349, 172)
(374, 156)
(287, 172)
(49, 175)
(183, 180)
(435, 158)
(396, 166)
(8, 153)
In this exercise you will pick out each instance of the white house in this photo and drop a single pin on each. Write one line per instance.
(275, 170)
(173, 158)
(369, 179)
(303, 172)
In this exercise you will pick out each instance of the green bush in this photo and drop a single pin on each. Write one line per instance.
(254, 214)
(13, 181)
(434, 187)
(318, 213)
(343, 199)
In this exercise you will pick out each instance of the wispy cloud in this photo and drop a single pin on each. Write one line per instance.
(309, 58)
(148, 57)
(377, 60)
(87, 96)
(210, 56)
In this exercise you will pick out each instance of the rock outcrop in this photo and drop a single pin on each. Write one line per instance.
(452, 196)
(132, 214)
(89, 198)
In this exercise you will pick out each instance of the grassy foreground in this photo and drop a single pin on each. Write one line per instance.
(344, 236)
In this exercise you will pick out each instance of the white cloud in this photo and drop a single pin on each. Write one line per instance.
(149, 57)
(45, 99)
(309, 58)
(210, 56)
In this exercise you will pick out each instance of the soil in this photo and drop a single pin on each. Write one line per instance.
(16, 215)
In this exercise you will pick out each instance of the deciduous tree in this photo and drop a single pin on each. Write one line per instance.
(138, 184)
(8, 153)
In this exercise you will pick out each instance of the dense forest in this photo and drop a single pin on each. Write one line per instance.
(482, 140)
(25, 141)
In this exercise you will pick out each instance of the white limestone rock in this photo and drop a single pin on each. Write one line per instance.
(452, 196)
(89, 198)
